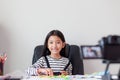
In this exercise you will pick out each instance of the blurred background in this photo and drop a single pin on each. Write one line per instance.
(24, 24)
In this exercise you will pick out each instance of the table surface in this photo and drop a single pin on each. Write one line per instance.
(72, 77)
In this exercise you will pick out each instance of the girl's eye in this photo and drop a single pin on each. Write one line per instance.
(54, 42)
(51, 42)
(58, 42)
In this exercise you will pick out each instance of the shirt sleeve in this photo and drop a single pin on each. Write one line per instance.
(69, 70)
(32, 70)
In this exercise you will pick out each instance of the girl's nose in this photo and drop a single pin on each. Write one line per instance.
(55, 45)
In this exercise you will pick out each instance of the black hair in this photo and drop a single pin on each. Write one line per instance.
(53, 33)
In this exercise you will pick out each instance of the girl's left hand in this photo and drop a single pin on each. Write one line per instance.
(64, 73)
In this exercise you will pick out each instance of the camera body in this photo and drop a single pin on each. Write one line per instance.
(110, 46)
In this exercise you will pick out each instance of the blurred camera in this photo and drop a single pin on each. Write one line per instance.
(110, 46)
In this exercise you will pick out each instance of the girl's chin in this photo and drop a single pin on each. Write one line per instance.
(54, 52)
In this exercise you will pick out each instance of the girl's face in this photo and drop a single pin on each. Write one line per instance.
(55, 44)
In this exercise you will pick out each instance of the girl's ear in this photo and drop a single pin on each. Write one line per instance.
(64, 45)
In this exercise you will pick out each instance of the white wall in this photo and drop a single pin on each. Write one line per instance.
(25, 24)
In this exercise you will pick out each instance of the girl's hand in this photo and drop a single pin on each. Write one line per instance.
(45, 71)
(64, 73)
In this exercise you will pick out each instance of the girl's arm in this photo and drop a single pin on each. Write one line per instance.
(33, 69)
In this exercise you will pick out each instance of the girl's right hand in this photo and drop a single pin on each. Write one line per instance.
(45, 71)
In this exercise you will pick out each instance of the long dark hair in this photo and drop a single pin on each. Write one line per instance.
(53, 33)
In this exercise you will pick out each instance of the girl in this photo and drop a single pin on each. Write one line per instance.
(53, 60)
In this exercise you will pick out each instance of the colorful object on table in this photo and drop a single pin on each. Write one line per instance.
(2, 61)
(3, 58)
